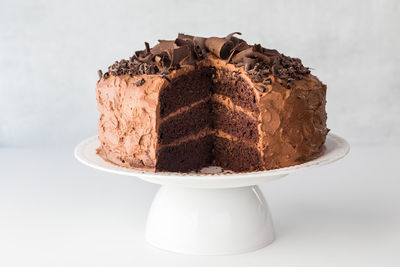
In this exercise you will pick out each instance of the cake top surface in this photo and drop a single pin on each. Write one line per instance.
(186, 50)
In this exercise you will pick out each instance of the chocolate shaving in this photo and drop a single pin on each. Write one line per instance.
(165, 77)
(140, 82)
(248, 63)
(261, 88)
(256, 78)
(267, 81)
(165, 71)
(100, 73)
(147, 47)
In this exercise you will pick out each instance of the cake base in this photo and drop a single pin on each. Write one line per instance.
(216, 212)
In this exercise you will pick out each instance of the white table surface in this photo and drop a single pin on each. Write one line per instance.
(55, 211)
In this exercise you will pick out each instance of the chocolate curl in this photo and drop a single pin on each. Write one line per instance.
(200, 46)
(257, 48)
(229, 36)
(162, 60)
(219, 46)
(146, 59)
(143, 56)
(185, 36)
(163, 46)
(183, 42)
(146, 44)
(241, 46)
(179, 54)
(238, 48)
(271, 52)
(251, 54)
(163, 53)
(249, 63)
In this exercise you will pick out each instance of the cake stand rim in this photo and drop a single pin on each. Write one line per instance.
(336, 148)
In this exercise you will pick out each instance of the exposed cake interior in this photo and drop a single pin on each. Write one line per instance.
(208, 117)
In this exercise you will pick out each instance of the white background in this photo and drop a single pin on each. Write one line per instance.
(55, 212)
(51, 51)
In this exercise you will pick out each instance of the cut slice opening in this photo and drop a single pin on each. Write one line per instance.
(208, 116)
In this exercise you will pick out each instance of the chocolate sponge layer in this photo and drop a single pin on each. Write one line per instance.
(235, 156)
(187, 156)
(185, 90)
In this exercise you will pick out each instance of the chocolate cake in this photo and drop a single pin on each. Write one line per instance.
(194, 102)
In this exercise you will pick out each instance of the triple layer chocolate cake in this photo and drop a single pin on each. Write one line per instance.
(194, 102)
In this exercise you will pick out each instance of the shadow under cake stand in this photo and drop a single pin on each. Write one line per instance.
(216, 212)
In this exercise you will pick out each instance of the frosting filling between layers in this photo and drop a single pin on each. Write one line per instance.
(207, 132)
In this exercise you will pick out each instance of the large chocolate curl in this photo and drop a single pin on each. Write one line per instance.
(200, 46)
(250, 53)
(219, 46)
(230, 37)
(169, 54)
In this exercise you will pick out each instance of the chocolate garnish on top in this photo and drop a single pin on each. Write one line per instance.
(219, 46)
(168, 55)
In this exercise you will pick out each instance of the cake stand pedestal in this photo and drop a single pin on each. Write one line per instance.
(215, 212)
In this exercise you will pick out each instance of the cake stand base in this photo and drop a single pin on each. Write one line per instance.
(209, 221)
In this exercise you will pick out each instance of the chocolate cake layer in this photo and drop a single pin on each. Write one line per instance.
(191, 121)
(187, 156)
(236, 156)
(236, 88)
(234, 123)
(185, 90)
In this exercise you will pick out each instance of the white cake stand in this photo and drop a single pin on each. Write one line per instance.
(212, 213)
